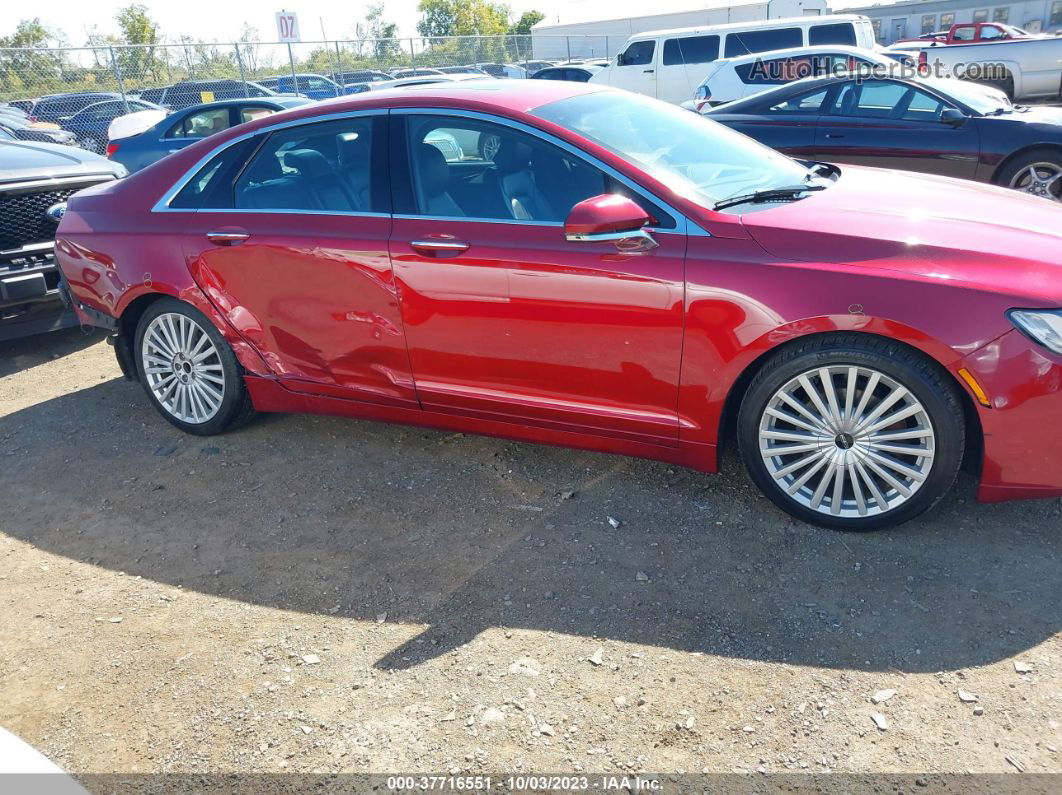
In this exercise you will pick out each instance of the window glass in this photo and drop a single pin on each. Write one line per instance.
(638, 53)
(1056, 13)
(929, 23)
(691, 49)
(252, 113)
(839, 33)
(107, 110)
(201, 124)
(981, 15)
(1001, 14)
(922, 107)
(701, 162)
(211, 187)
(803, 103)
(753, 41)
(964, 33)
(472, 169)
(947, 20)
(323, 167)
(887, 100)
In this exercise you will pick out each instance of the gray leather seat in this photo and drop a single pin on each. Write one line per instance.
(516, 181)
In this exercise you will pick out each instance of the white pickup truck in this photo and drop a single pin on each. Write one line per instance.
(1026, 69)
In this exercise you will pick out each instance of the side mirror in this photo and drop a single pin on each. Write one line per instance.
(953, 117)
(610, 218)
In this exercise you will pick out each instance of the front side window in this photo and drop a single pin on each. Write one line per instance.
(638, 53)
(754, 41)
(698, 159)
(691, 50)
(319, 167)
(480, 170)
(887, 100)
(202, 124)
(839, 33)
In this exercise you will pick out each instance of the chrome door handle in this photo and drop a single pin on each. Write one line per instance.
(439, 246)
(227, 237)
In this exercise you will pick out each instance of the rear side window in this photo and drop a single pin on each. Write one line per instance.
(211, 187)
(638, 53)
(320, 167)
(692, 49)
(753, 41)
(201, 124)
(839, 33)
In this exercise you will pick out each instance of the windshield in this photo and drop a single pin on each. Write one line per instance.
(699, 159)
(980, 98)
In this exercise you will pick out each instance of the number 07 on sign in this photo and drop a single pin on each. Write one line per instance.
(287, 26)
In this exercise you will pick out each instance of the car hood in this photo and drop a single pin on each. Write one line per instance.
(932, 228)
(1034, 114)
(30, 160)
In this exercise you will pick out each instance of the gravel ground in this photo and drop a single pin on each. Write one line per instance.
(319, 594)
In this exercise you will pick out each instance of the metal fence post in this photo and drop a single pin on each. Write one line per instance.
(243, 74)
(291, 62)
(568, 44)
(118, 78)
(412, 54)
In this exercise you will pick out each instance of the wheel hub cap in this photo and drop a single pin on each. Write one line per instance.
(182, 368)
(847, 441)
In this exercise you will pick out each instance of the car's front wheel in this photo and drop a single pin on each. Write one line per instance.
(1038, 172)
(852, 432)
(188, 369)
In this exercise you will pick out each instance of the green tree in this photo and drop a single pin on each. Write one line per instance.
(527, 20)
(138, 28)
(31, 70)
(381, 32)
(440, 18)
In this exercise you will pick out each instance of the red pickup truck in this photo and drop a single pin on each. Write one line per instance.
(967, 32)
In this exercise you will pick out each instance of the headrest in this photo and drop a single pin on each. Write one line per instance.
(433, 170)
(308, 162)
(512, 156)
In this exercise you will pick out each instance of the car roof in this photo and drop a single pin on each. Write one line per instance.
(767, 24)
(286, 102)
(817, 49)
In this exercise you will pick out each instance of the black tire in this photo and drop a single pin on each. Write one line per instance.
(235, 406)
(923, 379)
(1041, 154)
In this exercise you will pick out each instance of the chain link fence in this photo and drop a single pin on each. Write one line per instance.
(132, 70)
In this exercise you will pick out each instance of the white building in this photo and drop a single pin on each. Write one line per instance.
(910, 18)
(603, 38)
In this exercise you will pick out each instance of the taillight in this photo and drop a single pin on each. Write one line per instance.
(923, 62)
(112, 147)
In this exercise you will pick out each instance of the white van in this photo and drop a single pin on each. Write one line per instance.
(670, 64)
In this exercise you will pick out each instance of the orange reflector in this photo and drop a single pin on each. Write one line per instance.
(975, 387)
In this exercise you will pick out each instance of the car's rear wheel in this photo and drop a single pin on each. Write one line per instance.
(852, 433)
(1038, 172)
(188, 369)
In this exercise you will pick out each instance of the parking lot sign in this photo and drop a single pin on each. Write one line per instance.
(287, 26)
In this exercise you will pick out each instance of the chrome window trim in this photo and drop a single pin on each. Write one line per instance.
(163, 204)
(683, 225)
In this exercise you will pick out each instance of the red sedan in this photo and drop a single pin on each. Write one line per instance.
(580, 266)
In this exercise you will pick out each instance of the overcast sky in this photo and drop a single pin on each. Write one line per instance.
(211, 20)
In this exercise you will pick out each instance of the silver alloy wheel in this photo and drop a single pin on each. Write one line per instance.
(1040, 179)
(182, 368)
(847, 441)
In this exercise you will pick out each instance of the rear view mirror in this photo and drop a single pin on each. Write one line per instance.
(610, 217)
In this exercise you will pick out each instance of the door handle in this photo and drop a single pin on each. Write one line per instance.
(227, 237)
(834, 135)
(435, 248)
(648, 71)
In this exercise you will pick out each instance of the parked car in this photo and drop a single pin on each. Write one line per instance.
(56, 108)
(306, 85)
(89, 125)
(195, 92)
(7, 109)
(461, 70)
(734, 78)
(25, 105)
(535, 66)
(576, 73)
(422, 71)
(1023, 68)
(35, 178)
(361, 76)
(184, 127)
(932, 125)
(424, 80)
(25, 130)
(966, 32)
(670, 64)
(503, 70)
(620, 275)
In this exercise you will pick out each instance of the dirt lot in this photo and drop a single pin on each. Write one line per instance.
(318, 594)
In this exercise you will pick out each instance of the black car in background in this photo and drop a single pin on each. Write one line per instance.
(577, 73)
(22, 129)
(932, 125)
(35, 180)
(56, 108)
(195, 92)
